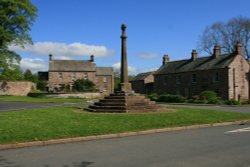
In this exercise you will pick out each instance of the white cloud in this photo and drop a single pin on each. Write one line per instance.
(34, 65)
(148, 55)
(62, 49)
(131, 70)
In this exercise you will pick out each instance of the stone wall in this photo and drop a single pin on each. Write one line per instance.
(239, 79)
(77, 95)
(184, 84)
(58, 81)
(105, 83)
(16, 88)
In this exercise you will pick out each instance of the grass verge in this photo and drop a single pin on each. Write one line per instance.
(41, 99)
(64, 122)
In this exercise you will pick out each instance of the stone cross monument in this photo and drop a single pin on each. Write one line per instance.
(125, 100)
(125, 85)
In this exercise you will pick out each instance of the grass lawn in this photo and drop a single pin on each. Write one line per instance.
(64, 122)
(41, 99)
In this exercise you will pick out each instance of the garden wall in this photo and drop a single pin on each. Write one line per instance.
(16, 88)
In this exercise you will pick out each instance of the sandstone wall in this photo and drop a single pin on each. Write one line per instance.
(16, 88)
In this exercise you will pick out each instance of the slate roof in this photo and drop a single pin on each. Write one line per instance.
(202, 63)
(142, 76)
(71, 65)
(104, 71)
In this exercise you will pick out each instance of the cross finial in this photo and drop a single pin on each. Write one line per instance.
(124, 27)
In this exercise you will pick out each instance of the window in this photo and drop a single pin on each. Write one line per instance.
(60, 76)
(105, 79)
(216, 78)
(85, 75)
(96, 79)
(165, 79)
(73, 76)
(178, 79)
(194, 78)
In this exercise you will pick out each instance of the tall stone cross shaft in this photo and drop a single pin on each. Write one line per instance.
(125, 86)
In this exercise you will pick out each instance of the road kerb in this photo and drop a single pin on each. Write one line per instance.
(109, 136)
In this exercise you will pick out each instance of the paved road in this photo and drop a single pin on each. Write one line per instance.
(209, 147)
(13, 106)
(221, 108)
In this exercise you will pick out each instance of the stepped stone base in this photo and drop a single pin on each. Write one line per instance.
(124, 103)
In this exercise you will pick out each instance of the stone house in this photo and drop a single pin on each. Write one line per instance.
(63, 73)
(143, 83)
(226, 74)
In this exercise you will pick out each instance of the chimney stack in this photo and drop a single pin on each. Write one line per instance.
(50, 57)
(217, 51)
(194, 55)
(166, 59)
(238, 48)
(92, 58)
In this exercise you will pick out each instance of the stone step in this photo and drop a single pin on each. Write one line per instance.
(125, 100)
(123, 107)
(123, 104)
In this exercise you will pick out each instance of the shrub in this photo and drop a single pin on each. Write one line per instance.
(85, 85)
(41, 85)
(153, 97)
(210, 96)
(171, 98)
(232, 102)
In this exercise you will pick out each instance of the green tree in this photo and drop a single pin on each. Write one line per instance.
(28, 76)
(85, 85)
(226, 35)
(16, 18)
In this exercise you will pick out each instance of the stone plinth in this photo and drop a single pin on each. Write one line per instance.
(124, 103)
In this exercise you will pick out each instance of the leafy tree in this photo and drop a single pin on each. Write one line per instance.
(226, 35)
(9, 66)
(41, 85)
(28, 76)
(84, 85)
(16, 18)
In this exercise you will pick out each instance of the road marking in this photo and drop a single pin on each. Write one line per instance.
(239, 130)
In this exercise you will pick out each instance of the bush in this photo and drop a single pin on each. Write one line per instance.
(232, 102)
(85, 85)
(153, 97)
(209, 96)
(171, 98)
(41, 85)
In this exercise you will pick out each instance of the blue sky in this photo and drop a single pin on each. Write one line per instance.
(74, 29)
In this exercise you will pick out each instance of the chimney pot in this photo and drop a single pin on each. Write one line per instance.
(194, 55)
(50, 57)
(92, 59)
(217, 51)
(238, 48)
(166, 59)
